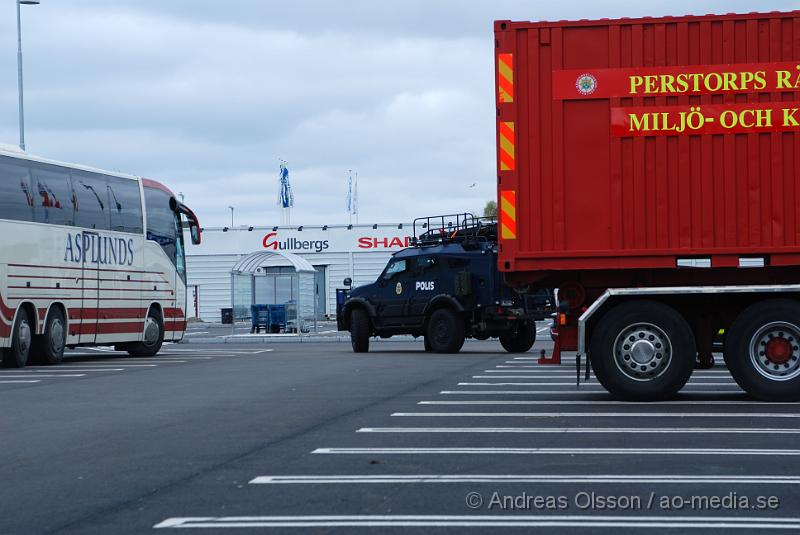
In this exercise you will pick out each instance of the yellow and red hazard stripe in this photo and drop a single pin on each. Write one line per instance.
(506, 146)
(508, 214)
(505, 78)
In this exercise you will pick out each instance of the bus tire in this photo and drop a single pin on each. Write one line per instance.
(49, 348)
(446, 331)
(153, 337)
(642, 351)
(762, 350)
(359, 331)
(519, 340)
(16, 356)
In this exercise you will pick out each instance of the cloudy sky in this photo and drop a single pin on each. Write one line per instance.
(208, 96)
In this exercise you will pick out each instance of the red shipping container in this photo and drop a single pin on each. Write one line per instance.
(633, 143)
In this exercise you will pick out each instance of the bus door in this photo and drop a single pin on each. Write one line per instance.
(91, 288)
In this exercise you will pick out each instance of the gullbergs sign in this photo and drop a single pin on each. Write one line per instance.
(275, 241)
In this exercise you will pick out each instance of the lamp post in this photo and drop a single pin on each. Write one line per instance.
(231, 209)
(19, 70)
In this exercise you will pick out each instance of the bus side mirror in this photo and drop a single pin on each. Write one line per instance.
(348, 282)
(194, 231)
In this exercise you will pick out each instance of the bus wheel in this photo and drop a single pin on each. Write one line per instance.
(762, 350)
(642, 351)
(446, 332)
(519, 340)
(49, 349)
(16, 356)
(359, 331)
(153, 337)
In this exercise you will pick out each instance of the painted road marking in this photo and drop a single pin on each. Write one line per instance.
(568, 392)
(597, 414)
(524, 478)
(582, 430)
(71, 369)
(555, 451)
(40, 376)
(428, 521)
(572, 383)
(15, 382)
(583, 385)
(599, 402)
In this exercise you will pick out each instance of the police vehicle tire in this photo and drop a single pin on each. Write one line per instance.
(446, 331)
(762, 350)
(151, 344)
(519, 340)
(49, 348)
(428, 347)
(359, 331)
(16, 356)
(642, 351)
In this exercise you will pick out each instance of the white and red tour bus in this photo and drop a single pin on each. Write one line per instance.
(87, 257)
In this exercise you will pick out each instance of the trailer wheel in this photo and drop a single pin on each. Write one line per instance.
(519, 340)
(359, 331)
(642, 351)
(153, 337)
(762, 350)
(16, 356)
(446, 331)
(49, 348)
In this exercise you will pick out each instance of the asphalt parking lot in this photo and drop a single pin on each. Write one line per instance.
(311, 437)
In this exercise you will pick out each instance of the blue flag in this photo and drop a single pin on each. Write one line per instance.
(286, 199)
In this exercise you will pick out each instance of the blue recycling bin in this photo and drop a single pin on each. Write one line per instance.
(259, 318)
(277, 318)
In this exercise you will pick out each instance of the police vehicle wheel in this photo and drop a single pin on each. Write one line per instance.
(762, 350)
(642, 351)
(16, 356)
(428, 347)
(446, 331)
(519, 340)
(153, 337)
(359, 331)
(49, 349)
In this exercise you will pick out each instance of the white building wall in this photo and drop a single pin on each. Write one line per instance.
(209, 264)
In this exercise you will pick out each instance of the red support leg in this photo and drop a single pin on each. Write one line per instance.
(555, 358)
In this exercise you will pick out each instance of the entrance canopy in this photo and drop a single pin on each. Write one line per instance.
(255, 281)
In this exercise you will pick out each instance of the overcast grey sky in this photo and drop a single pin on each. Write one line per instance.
(208, 96)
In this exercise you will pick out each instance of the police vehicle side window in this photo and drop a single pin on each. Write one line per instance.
(425, 263)
(16, 195)
(394, 268)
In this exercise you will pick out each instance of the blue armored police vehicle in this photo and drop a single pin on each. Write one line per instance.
(446, 287)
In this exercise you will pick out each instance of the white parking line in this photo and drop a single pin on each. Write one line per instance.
(40, 376)
(587, 430)
(442, 521)
(597, 414)
(15, 382)
(556, 451)
(524, 478)
(601, 402)
(572, 383)
(583, 385)
(563, 392)
(64, 369)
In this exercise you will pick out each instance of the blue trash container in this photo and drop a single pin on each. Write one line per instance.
(277, 318)
(259, 317)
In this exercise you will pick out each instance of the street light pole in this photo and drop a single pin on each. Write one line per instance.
(19, 71)
(231, 208)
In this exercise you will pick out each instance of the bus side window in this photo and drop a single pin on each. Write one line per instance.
(125, 205)
(90, 200)
(51, 195)
(16, 195)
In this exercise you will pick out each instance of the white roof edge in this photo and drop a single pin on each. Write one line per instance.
(251, 262)
(16, 152)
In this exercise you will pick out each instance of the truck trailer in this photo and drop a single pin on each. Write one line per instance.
(649, 169)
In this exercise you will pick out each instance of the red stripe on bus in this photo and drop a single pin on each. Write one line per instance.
(5, 330)
(7, 313)
(175, 326)
(83, 279)
(126, 327)
(146, 290)
(108, 313)
(86, 269)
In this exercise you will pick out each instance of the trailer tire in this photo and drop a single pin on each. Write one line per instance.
(359, 331)
(446, 331)
(762, 350)
(519, 340)
(16, 356)
(642, 351)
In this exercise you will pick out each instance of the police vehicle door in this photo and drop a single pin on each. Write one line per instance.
(393, 291)
(424, 275)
